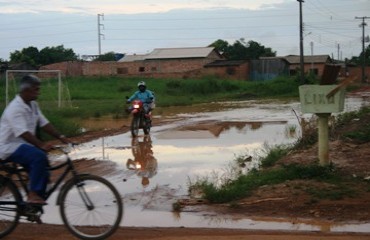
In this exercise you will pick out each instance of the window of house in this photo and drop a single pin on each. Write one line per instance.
(141, 69)
(230, 71)
(122, 70)
(153, 69)
(292, 72)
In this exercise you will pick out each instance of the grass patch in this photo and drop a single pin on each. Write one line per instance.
(91, 97)
(244, 185)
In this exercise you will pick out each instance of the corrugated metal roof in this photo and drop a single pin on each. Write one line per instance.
(295, 59)
(166, 53)
(225, 63)
(133, 58)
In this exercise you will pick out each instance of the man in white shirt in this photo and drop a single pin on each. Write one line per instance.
(18, 141)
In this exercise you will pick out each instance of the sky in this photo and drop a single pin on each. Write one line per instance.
(331, 27)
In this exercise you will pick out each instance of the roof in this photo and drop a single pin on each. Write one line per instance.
(133, 58)
(296, 59)
(225, 63)
(175, 53)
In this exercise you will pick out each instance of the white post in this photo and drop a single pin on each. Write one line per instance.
(33, 71)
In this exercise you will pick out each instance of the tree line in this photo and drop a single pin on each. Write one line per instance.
(239, 50)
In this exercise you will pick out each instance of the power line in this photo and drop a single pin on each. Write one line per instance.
(363, 24)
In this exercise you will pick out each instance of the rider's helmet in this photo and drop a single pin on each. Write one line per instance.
(141, 85)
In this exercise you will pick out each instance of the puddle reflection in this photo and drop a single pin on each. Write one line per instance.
(151, 172)
(144, 164)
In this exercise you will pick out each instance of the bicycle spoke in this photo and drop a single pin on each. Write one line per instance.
(9, 213)
(88, 222)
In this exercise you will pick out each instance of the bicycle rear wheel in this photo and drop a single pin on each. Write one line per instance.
(91, 207)
(9, 207)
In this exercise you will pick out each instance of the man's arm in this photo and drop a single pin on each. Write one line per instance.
(52, 131)
(30, 138)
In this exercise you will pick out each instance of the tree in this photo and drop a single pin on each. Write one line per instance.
(359, 60)
(50, 55)
(47, 55)
(240, 50)
(28, 55)
(109, 56)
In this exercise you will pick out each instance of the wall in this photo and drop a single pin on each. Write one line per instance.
(318, 68)
(236, 72)
(357, 71)
(71, 68)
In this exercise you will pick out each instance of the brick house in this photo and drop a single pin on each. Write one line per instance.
(233, 69)
(168, 62)
(315, 63)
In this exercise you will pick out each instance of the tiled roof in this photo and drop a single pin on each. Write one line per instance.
(133, 58)
(223, 63)
(166, 53)
(295, 59)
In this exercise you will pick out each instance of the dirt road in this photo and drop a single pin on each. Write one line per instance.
(59, 232)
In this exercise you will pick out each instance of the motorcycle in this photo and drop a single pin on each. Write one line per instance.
(140, 119)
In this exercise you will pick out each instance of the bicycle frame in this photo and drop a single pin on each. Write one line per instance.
(18, 172)
(93, 209)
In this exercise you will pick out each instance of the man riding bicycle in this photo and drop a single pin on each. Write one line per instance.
(18, 140)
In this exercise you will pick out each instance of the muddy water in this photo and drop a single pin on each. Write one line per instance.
(152, 172)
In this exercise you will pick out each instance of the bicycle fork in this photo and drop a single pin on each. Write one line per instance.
(84, 196)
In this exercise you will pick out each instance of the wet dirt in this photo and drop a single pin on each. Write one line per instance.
(273, 203)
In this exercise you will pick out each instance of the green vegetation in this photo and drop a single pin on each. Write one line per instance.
(92, 97)
(362, 134)
(270, 173)
(243, 185)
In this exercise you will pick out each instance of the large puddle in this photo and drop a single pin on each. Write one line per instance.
(198, 141)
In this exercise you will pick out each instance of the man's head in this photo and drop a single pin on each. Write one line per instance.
(29, 87)
(141, 85)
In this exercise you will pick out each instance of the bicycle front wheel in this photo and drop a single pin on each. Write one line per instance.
(9, 207)
(91, 207)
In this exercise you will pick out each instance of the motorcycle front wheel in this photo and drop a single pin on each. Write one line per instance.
(135, 125)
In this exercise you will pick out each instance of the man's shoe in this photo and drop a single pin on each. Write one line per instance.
(35, 199)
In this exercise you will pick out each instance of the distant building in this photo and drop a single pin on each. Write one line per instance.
(270, 67)
(195, 62)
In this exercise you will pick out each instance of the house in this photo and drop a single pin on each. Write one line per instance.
(168, 62)
(270, 67)
(314, 63)
(228, 69)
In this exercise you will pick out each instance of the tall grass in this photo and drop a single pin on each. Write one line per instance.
(88, 97)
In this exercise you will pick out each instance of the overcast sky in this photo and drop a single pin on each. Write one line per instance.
(330, 26)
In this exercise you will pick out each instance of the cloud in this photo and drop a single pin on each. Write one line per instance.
(125, 7)
(140, 26)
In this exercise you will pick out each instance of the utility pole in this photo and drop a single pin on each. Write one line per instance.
(311, 57)
(99, 34)
(363, 24)
(301, 41)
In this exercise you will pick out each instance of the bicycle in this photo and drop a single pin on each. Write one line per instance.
(90, 206)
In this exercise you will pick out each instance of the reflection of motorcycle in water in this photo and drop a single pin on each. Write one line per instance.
(144, 163)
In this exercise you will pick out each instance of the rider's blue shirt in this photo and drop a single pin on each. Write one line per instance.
(146, 97)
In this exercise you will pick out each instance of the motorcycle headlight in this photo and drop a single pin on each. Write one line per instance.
(136, 106)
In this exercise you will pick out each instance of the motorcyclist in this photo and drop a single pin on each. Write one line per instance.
(145, 95)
